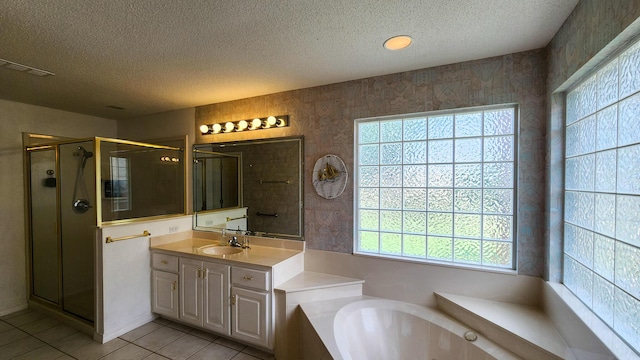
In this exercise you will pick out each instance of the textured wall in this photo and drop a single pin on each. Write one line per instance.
(325, 114)
(594, 30)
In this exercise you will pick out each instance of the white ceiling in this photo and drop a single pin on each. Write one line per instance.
(150, 56)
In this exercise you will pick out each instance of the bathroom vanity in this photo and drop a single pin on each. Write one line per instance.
(225, 290)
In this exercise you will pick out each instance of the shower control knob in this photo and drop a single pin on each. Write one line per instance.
(81, 206)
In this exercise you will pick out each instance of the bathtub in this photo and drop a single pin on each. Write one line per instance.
(372, 328)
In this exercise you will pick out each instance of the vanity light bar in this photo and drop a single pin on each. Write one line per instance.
(246, 125)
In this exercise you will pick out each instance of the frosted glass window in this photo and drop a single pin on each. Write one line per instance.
(602, 194)
(441, 186)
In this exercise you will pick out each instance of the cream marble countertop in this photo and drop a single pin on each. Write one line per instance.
(256, 255)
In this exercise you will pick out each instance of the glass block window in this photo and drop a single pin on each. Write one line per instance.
(602, 194)
(438, 187)
(119, 184)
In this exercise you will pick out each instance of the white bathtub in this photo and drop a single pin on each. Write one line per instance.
(372, 328)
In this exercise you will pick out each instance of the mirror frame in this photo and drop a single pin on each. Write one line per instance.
(211, 148)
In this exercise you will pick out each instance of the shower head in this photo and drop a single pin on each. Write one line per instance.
(85, 155)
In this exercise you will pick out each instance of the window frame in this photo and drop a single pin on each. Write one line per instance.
(515, 188)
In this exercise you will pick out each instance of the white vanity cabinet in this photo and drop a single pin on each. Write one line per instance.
(204, 295)
(164, 285)
(251, 305)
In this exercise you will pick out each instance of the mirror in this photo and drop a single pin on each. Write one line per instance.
(253, 185)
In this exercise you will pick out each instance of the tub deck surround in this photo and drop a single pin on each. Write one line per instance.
(305, 287)
(257, 255)
(444, 335)
(524, 330)
(309, 280)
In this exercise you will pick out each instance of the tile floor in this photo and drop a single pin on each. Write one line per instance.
(30, 335)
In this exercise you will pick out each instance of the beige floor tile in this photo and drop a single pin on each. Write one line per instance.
(19, 347)
(55, 333)
(178, 326)
(230, 343)
(183, 347)
(41, 353)
(155, 356)
(9, 336)
(72, 342)
(5, 326)
(14, 314)
(258, 353)
(214, 351)
(161, 321)
(243, 356)
(159, 338)
(39, 325)
(203, 334)
(95, 350)
(141, 331)
(25, 318)
(128, 352)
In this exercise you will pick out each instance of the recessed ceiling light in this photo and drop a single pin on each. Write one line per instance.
(24, 68)
(398, 42)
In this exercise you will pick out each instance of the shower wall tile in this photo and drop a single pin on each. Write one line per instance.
(325, 114)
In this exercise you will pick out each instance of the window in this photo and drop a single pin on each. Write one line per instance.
(118, 187)
(602, 194)
(438, 187)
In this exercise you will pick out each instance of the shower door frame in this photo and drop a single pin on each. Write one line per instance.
(55, 309)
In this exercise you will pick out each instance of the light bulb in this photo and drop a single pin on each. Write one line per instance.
(242, 125)
(228, 127)
(281, 122)
(204, 129)
(255, 124)
(217, 128)
(271, 121)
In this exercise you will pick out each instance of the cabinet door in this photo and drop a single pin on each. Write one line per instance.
(165, 294)
(191, 291)
(250, 317)
(216, 298)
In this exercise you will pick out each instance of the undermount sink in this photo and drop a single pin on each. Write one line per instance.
(221, 250)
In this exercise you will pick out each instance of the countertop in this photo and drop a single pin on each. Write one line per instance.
(256, 255)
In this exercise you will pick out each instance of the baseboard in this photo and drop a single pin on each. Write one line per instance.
(124, 328)
(13, 309)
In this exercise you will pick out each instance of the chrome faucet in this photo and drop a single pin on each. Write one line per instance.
(233, 241)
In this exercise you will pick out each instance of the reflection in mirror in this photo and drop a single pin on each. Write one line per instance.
(216, 185)
(250, 185)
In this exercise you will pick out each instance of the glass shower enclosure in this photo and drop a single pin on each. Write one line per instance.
(76, 186)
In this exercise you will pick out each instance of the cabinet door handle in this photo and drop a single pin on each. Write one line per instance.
(164, 262)
(199, 273)
(233, 299)
(204, 273)
(248, 277)
(174, 285)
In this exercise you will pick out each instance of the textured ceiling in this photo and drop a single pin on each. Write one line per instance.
(150, 56)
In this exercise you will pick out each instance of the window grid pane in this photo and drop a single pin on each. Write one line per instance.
(602, 194)
(444, 192)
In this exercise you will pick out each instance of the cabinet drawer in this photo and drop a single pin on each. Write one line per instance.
(164, 262)
(249, 278)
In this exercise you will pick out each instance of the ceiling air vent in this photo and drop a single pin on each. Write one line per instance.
(24, 68)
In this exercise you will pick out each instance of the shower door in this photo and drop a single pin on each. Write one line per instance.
(45, 251)
(63, 222)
